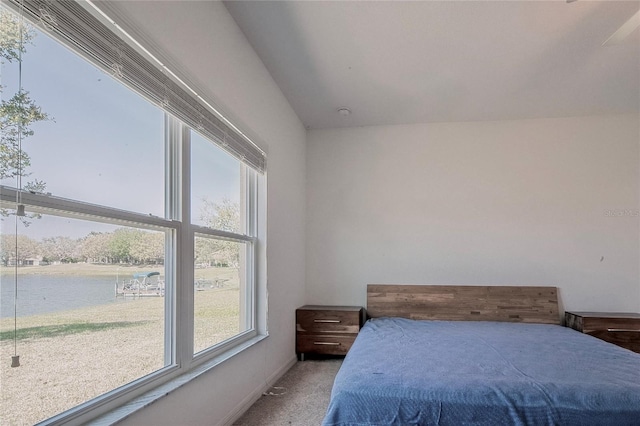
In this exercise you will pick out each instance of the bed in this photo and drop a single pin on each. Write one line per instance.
(452, 355)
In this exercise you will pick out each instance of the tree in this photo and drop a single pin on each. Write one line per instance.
(7, 248)
(14, 36)
(19, 111)
(16, 115)
(148, 247)
(95, 247)
(120, 244)
(224, 216)
(205, 251)
(60, 249)
(27, 249)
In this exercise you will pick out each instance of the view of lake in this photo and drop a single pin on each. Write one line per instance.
(39, 294)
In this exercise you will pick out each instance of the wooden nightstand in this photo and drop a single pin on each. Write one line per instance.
(327, 330)
(622, 329)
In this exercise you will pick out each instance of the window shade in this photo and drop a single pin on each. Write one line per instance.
(77, 27)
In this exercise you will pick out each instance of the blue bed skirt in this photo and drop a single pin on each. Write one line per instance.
(405, 372)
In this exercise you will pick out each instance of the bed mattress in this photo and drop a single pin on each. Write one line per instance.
(406, 372)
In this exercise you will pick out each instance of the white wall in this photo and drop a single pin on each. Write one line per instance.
(505, 203)
(203, 42)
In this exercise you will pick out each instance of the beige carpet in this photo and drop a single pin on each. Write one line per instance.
(299, 398)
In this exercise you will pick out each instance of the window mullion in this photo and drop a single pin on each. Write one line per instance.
(185, 255)
(180, 246)
(173, 172)
(252, 230)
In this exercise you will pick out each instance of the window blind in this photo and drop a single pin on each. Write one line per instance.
(78, 28)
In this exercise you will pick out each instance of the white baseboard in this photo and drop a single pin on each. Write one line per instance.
(250, 399)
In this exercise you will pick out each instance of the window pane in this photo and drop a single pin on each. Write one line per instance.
(220, 304)
(89, 312)
(99, 143)
(216, 190)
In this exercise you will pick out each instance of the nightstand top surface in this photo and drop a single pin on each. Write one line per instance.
(330, 308)
(605, 314)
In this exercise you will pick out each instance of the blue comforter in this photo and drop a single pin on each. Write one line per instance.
(405, 372)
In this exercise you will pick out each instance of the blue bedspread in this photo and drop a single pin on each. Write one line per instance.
(405, 372)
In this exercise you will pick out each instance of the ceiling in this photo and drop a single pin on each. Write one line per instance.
(393, 62)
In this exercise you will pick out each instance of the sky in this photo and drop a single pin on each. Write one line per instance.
(103, 143)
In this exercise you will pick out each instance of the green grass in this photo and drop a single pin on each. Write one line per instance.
(213, 312)
(66, 329)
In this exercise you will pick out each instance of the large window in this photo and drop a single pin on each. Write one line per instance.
(121, 227)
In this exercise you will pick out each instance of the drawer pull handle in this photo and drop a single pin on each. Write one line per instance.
(327, 343)
(622, 329)
(327, 321)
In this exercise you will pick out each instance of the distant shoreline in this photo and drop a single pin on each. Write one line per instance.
(54, 288)
(92, 269)
(122, 271)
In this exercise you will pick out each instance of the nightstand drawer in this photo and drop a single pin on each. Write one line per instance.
(327, 321)
(621, 337)
(622, 329)
(326, 344)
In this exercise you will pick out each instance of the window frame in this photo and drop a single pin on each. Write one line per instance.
(181, 362)
(185, 320)
(179, 262)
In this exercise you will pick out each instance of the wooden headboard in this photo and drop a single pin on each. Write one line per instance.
(464, 303)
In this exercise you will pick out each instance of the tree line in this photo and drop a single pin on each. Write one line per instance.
(129, 245)
(124, 245)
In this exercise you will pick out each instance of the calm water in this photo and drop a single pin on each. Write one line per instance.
(38, 294)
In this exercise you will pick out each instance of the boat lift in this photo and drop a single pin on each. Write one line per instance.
(141, 285)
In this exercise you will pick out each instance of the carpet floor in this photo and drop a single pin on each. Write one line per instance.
(299, 398)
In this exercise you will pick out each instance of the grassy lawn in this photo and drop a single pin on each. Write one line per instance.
(72, 356)
(42, 331)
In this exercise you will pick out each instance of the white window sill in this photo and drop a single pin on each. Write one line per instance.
(163, 390)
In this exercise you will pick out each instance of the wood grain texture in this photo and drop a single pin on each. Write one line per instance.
(310, 321)
(464, 303)
(327, 330)
(619, 328)
(326, 345)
